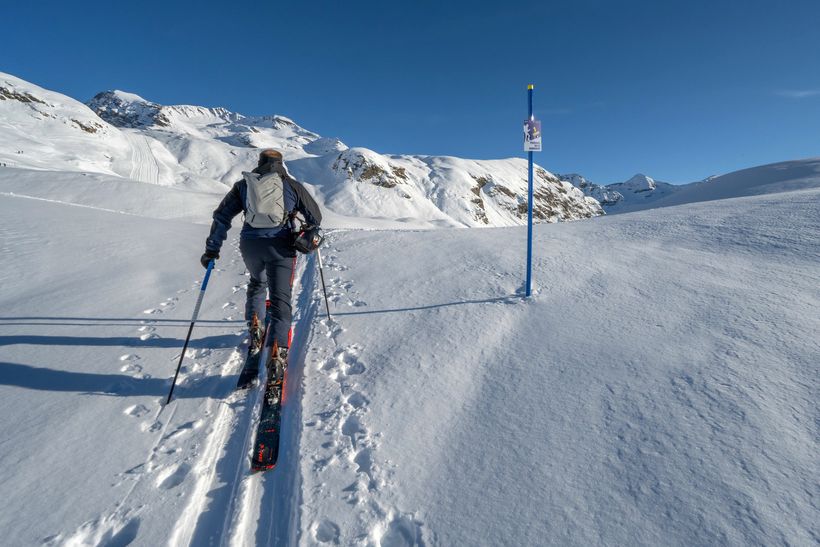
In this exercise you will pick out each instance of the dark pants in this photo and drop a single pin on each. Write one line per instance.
(271, 262)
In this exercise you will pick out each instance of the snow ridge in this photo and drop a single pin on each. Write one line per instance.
(206, 149)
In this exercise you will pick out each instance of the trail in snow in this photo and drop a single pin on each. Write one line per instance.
(175, 456)
(230, 505)
(23, 196)
(192, 484)
(345, 470)
(144, 166)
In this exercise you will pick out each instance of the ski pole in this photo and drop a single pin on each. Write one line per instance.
(322, 275)
(191, 328)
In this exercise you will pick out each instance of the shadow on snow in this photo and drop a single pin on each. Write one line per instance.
(118, 385)
(208, 342)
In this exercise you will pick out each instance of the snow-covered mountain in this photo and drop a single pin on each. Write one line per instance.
(642, 192)
(639, 192)
(204, 149)
(785, 176)
(603, 194)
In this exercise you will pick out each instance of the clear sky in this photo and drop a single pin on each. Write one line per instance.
(678, 90)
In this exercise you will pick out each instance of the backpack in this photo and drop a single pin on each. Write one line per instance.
(265, 201)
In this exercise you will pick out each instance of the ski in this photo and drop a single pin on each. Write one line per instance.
(265, 452)
(266, 443)
(250, 370)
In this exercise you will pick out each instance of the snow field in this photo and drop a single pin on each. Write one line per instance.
(660, 388)
(87, 353)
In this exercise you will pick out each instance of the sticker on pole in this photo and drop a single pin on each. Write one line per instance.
(532, 135)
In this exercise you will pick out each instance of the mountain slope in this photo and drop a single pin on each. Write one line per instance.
(773, 178)
(42, 129)
(660, 390)
(206, 149)
(641, 192)
(657, 390)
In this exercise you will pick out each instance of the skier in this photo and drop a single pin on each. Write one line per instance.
(270, 198)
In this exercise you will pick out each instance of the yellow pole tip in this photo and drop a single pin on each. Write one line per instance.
(530, 86)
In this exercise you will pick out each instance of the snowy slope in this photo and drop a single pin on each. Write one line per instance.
(658, 389)
(642, 192)
(206, 149)
(637, 193)
(765, 179)
(42, 129)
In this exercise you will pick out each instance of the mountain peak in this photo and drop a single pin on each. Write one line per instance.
(123, 109)
(640, 183)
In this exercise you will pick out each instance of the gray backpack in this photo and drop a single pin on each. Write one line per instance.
(265, 200)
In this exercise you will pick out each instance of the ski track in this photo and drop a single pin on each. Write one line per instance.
(224, 504)
(35, 198)
(144, 166)
(350, 448)
(221, 495)
(172, 457)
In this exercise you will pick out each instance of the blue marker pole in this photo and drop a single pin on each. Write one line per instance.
(191, 328)
(529, 199)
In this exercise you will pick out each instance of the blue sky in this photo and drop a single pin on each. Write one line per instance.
(677, 90)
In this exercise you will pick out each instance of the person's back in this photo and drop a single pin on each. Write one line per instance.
(270, 198)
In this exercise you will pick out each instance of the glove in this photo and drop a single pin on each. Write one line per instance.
(208, 256)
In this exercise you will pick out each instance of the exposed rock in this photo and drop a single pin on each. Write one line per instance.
(127, 110)
(9, 94)
(91, 127)
(354, 165)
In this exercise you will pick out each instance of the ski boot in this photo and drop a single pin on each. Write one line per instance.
(256, 333)
(250, 371)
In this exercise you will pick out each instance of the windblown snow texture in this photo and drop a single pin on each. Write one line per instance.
(659, 388)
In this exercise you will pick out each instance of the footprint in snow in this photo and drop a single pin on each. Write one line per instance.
(110, 530)
(325, 531)
(353, 367)
(364, 461)
(173, 476)
(399, 531)
(353, 428)
(137, 411)
(131, 368)
(151, 427)
(356, 400)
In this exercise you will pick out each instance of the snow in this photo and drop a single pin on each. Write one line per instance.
(206, 149)
(659, 387)
(765, 179)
